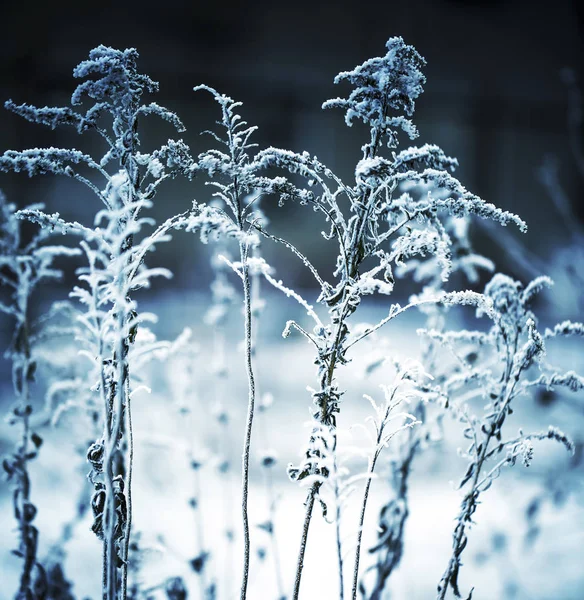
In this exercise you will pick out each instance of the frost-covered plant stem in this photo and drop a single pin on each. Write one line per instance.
(243, 250)
(327, 419)
(338, 543)
(23, 507)
(360, 527)
(233, 164)
(470, 500)
(518, 346)
(383, 416)
(309, 504)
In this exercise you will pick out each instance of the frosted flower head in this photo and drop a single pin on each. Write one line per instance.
(505, 294)
(384, 84)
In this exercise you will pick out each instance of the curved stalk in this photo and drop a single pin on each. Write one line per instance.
(250, 414)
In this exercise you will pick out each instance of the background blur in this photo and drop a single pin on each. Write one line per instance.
(501, 96)
(494, 96)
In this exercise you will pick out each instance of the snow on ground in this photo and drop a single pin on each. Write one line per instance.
(497, 561)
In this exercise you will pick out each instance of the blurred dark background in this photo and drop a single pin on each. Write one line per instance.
(494, 95)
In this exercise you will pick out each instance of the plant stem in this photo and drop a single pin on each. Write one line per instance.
(26, 530)
(128, 527)
(336, 349)
(109, 570)
(338, 538)
(309, 506)
(393, 553)
(250, 414)
(470, 501)
(361, 522)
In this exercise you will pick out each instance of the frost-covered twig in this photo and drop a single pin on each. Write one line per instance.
(234, 167)
(516, 347)
(384, 414)
(394, 514)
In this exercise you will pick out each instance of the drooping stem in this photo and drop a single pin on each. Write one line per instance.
(250, 414)
(308, 515)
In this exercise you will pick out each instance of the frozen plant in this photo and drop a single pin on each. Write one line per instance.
(232, 171)
(115, 248)
(394, 514)
(498, 366)
(375, 227)
(23, 266)
(402, 389)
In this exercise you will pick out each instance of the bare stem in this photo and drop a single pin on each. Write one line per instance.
(338, 540)
(300, 564)
(250, 414)
(361, 522)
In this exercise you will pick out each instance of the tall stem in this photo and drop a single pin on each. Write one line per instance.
(250, 414)
(361, 522)
(338, 539)
(128, 527)
(27, 531)
(336, 349)
(117, 526)
(300, 564)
